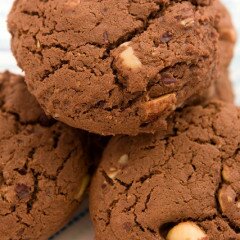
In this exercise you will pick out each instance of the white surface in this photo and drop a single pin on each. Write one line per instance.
(81, 229)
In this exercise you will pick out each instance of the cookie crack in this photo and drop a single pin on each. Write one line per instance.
(60, 168)
(148, 176)
(138, 31)
(32, 13)
(33, 199)
(48, 73)
(134, 213)
(148, 198)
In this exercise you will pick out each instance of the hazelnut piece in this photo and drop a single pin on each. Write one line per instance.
(83, 187)
(187, 231)
(129, 59)
(188, 22)
(227, 197)
(159, 106)
(123, 160)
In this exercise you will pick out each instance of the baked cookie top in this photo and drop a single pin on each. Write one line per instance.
(43, 166)
(184, 183)
(115, 67)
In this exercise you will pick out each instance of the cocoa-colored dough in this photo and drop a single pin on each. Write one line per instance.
(147, 184)
(42, 166)
(227, 36)
(221, 87)
(115, 67)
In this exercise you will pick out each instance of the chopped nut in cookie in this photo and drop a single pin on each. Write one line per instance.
(83, 187)
(186, 231)
(158, 106)
(113, 173)
(38, 45)
(123, 160)
(226, 197)
(230, 174)
(129, 58)
(188, 22)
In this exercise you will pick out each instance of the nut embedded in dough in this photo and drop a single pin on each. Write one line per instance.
(83, 187)
(228, 34)
(226, 196)
(113, 173)
(226, 174)
(158, 106)
(123, 160)
(129, 59)
(188, 22)
(38, 45)
(186, 231)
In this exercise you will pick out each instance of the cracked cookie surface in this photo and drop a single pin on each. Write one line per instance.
(42, 166)
(188, 179)
(98, 65)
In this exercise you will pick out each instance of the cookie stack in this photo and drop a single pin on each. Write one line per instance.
(153, 74)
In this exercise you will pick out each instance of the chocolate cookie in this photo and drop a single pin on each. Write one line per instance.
(227, 35)
(221, 89)
(181, 185)
(115, 67)
(43, 168)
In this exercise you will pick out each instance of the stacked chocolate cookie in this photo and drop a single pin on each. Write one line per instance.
(44, 166)
(153, 74)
